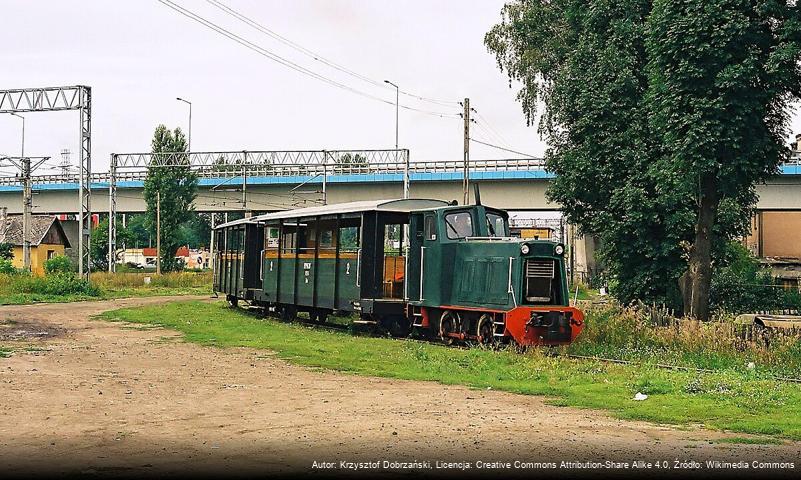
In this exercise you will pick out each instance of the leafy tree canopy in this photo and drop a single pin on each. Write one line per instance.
(176, 186)
(661, 117)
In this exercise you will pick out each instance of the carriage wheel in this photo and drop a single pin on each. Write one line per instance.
(232, 301)
(318, 316)
(485, 330)
(288, 313)
(448, 323)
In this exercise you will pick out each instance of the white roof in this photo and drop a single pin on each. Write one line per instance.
(396, 205)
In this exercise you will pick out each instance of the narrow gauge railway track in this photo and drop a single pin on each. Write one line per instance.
(258, 312)
(666, 366)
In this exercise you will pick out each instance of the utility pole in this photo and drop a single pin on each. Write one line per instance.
(27, 205)
(211, 243)
(158, 233)
(245, 182)
(466, 174)
(24, 164)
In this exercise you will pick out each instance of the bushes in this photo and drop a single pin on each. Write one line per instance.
(6, 267)
(742, 285)
(58, 264)
(57, 284)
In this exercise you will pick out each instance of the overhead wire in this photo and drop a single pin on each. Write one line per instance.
(317, 57)
(501, 148)
(288, 63)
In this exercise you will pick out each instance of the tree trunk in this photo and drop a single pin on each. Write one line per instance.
(696, 281)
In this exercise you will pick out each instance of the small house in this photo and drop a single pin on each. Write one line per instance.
(47, 239)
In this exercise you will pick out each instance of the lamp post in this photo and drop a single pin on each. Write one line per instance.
(190, 121)
(406, 159)
(22, 153)
(397, 92)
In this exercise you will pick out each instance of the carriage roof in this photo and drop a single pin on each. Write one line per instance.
(396, 205)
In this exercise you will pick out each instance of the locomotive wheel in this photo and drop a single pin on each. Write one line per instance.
(448, 323)
(485, 330)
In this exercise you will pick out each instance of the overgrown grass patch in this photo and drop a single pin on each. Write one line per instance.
(742, 401)
(625, 334)
(21, 288)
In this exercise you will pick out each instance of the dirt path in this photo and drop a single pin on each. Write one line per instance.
(110, 398)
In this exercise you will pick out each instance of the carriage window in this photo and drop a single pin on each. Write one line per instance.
(348, 238)
(271, 237)
(289, 238)
(431, 228)
(496, 226)
(459, 225)
(327, 238)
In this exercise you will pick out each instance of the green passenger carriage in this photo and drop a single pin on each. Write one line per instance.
(414, 264)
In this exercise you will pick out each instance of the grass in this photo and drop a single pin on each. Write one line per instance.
(20, 289)
(751, 440)
(626, 334)
(745, 401)
(5, 352)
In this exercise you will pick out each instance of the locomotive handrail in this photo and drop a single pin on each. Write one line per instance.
(511, 290)
(422, 266)
(359, 267)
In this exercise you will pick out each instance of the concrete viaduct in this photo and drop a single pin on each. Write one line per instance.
(520, 189)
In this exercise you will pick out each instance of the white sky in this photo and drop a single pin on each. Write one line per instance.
(138, 56)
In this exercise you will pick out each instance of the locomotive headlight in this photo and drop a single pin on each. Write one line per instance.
(524, 249)
(559, 249)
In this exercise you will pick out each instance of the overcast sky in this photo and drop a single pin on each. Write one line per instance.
(138, 56)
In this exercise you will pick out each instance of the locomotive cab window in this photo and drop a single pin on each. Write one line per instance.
(496, 225)
(541, 285)
(459, 225)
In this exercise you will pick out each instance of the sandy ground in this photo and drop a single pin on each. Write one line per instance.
(112, 399)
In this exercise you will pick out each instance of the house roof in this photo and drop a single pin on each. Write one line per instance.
(398, 205)
(11, 232)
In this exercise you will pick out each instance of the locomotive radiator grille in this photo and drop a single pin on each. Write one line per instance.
(539, 268)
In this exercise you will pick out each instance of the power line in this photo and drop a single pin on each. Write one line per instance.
(317, 57)
(489, 133)
(288, 63)
(501, 148)
(492, 129)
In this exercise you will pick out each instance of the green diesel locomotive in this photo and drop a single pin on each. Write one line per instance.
(444, 270)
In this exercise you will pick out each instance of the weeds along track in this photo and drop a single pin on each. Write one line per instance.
(258, 312)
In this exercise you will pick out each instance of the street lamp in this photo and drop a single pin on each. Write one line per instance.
(22, 154)
(190, 120)
(397, 91)
(406, 159)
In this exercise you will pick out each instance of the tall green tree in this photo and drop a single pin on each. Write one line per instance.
(645, 106)
(721, 75)
(175, 185)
